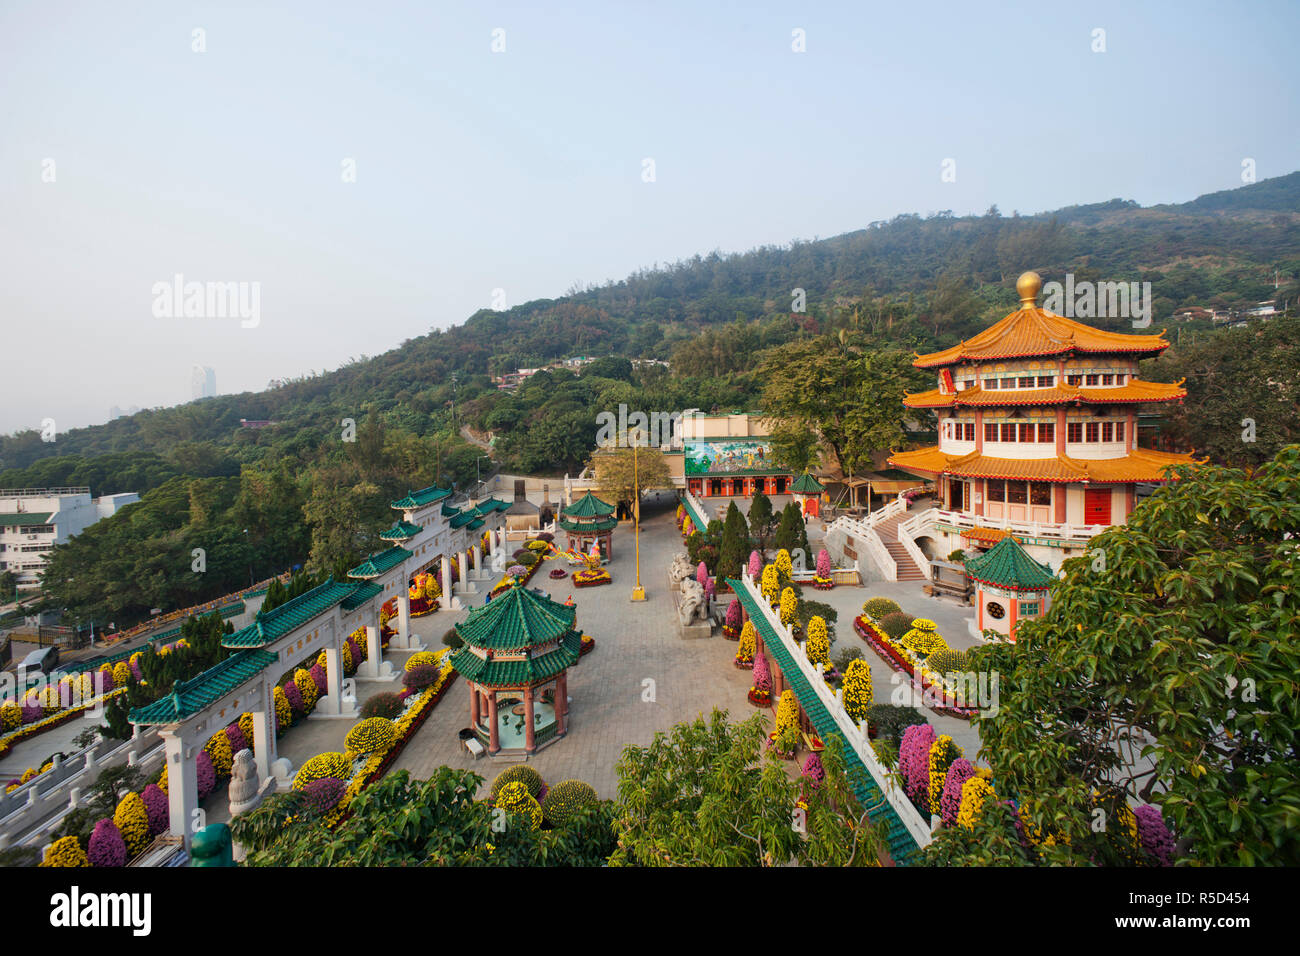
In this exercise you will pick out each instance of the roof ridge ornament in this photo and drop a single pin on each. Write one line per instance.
(1027, 287)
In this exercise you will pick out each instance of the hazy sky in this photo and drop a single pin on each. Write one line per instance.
(523, 170)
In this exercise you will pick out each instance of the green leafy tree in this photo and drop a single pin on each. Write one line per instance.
(760, 517)
(1164, 672)
(734, 549)
(702, 795)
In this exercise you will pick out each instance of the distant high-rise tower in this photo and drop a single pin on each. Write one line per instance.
(203, 382)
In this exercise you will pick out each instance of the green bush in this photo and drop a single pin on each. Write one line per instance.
(890, 720)
(382, 705)
(528, 559)
(452, 639)
(520, 773)
(895, 624)
(877, 608)
(957, 557)
(844, 656)
(947, 661)
(565, 799)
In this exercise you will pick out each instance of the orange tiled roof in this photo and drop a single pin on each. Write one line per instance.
(979, 397)
(991, 535)
(1030, 331)
(1141, 464)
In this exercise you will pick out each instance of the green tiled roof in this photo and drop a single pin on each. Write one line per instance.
(1008, 565)
(902, 846)
(418, 499)
(400, 531)
(808, 485)
(476, 524)
(24, 518)
(191, 696)
(515, 673)
(449, 510)
(362, 593)
(517, 618)
(463, 518)
(491, 505)
(589, 506)
(279, 621)
(600, 524)
(377, 564)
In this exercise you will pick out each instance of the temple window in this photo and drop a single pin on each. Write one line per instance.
(1047, 381)
(1008, 431)
(1017, 492)
(1073, 379)
(997, 490)
(1074, 432)
(1119, 431)
(1108, 379)
(1026, 431)
(1093, 431)
(1040, 493)
(1046, 432)
(1008, 383)
(990, 432)
(1029, 609)
(1093, 379)
(991, 383)
(1027, 381)
(1107, 431)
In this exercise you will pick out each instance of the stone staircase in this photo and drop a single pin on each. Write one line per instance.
(888, 531)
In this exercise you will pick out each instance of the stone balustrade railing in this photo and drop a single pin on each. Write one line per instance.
(854, 733)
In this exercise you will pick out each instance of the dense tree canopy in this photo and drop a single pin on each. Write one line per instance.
(1164, 672)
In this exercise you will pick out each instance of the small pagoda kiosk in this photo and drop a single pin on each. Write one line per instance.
(1010, 587)
(807, 491)
(589, 521)
(516, 653)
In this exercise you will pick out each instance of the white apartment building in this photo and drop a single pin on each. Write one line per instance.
(34, 520)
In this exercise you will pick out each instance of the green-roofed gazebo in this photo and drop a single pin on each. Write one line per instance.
(807, 491)
(1010, 586)
(587, 522)
(517, 649)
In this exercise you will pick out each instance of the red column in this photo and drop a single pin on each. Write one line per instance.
(979, 430)
(1060, 430)
(1130, 493)
(1058, 494)
(562, 703)
(473, 705)
(982, 487)
(494, 740)
(530, 744)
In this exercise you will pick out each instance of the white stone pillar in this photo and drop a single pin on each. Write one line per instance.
(374, 652)
(264, 731)
(445, 575)
(331, 702)
(182, 782)
(404, 616)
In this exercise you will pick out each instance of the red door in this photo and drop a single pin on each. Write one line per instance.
(1096, 506)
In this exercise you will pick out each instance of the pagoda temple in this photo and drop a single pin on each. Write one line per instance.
(517, 649)
(1038, 431)
(589, 521)
(1010, 586)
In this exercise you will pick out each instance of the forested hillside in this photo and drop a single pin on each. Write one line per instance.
(911, 283)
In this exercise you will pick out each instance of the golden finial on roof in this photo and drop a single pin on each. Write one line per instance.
(1027, 287)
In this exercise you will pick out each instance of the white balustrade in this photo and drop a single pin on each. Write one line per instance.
(854, 734)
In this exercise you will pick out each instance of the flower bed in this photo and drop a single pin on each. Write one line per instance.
(588, 645)
(510, 581)
(781, 754)
(730, 633)
(406, 725)
(588, 578)
(760, 698)
(897, 658)
(557, 573)
(823, 584)
(27, 731)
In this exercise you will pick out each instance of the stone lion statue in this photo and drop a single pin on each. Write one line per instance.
(692, 607)
(680, 569)
(244, 785)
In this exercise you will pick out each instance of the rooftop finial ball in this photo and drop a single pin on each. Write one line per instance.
(1027, 286)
